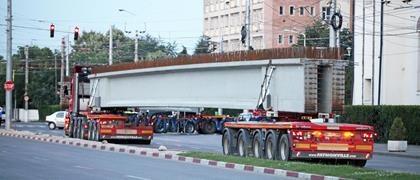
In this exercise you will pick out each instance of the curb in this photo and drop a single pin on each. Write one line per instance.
(396, 155)
(166, 155)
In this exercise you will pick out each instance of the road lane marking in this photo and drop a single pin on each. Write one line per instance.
(136, 177)
(82, 167)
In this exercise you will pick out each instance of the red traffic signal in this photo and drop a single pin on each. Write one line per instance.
(76, 33)
(52, 28)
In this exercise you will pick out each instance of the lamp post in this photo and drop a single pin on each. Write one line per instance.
(381, 50)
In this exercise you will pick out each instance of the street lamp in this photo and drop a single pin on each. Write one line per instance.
(297, 32)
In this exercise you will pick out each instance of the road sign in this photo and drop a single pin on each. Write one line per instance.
(26, 98)
(9, 86)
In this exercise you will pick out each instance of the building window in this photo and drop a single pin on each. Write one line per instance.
(301, 11)
(326, 12)
(290, 39)
(281, 10)
(312, 11)
(280, 39)
(291, 10)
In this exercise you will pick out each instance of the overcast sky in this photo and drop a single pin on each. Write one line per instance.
(179, 21)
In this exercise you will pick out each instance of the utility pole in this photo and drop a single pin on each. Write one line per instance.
(381, 46)
(363, 52)
(67, 56)
(62, 72)
(9, 64)
(248, 24)
(110, 45)
(136, 45)
(55, 72)
(26, 83)
(373, 52)
(333, 33)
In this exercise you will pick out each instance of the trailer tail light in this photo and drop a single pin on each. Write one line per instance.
(348, 134)
(317, 134)
(103, 122)
(301, 135)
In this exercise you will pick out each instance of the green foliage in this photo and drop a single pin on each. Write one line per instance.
(41, 89)
(184, 52)
(1, 58)
(92, 48)
(46, 110)
(398, 130)
(203, 45)
(381, 117)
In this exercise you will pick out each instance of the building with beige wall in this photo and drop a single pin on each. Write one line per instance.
(274, 23)
(400, 81)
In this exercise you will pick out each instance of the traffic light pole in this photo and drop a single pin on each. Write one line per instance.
(9, 64)
(26, 83)
(63, 44)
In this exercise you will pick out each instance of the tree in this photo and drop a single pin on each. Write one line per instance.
(317, 35)
(203, 45)
(184, 52)
(1, 58)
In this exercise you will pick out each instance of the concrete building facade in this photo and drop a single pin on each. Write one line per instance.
(400, 81)
(274, 23)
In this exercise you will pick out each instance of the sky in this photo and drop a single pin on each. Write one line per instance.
(180, 21)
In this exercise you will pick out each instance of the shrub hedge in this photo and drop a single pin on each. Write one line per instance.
(47, 110)
(382, 117)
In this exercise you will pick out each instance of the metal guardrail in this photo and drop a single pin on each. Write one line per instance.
(280, 53)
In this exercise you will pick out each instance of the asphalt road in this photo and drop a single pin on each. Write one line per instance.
(27, 159)
(212, 143)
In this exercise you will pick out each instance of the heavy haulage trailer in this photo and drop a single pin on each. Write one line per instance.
(280, 135)
(291, 136)
(85, 122)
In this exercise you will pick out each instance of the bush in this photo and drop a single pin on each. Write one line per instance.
(398, 131)
(381, 117)
(47, 110)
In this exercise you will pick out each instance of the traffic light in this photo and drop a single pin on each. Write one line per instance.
(76, 33)
(52, 28)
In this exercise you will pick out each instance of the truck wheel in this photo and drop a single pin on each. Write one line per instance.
(227, 142)
(189, 127)
(209, 127)
(52, 125)
(284, 151)
(71, 128)
(90, 132)
(359, 163)
(96, 134)
(243, 143)
(271, 145)
(160, 126)
(75, 129)
(257, 145)
(81, 130)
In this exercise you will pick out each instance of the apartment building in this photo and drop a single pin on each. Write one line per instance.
(274, 23)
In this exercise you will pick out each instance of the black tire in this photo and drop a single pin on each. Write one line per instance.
(90, 131)
(227, 142)
(284, 148)
(271, 147)
(71, 128)
(243, 144)
(209, 127)
(189, 127)
(81, 130)
(52, 126)
(160, 127)
(359, 163)
(258, 145)
(76, 129)
(97, 129)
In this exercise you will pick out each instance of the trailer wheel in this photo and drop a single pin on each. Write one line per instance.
(227, 142)
(285, 151)
(82, 130)
(90, 131)
(209, 127)
(359, 163)
(257, 145)
(271, 145)
(243, 143)
(189, 127)
(96, 134)
(72, 128)
(76, 128)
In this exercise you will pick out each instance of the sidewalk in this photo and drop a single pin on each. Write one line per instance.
(413, 151)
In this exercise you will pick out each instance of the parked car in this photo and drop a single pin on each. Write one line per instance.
(56, 120)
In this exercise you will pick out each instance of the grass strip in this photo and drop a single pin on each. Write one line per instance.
(345, 171)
